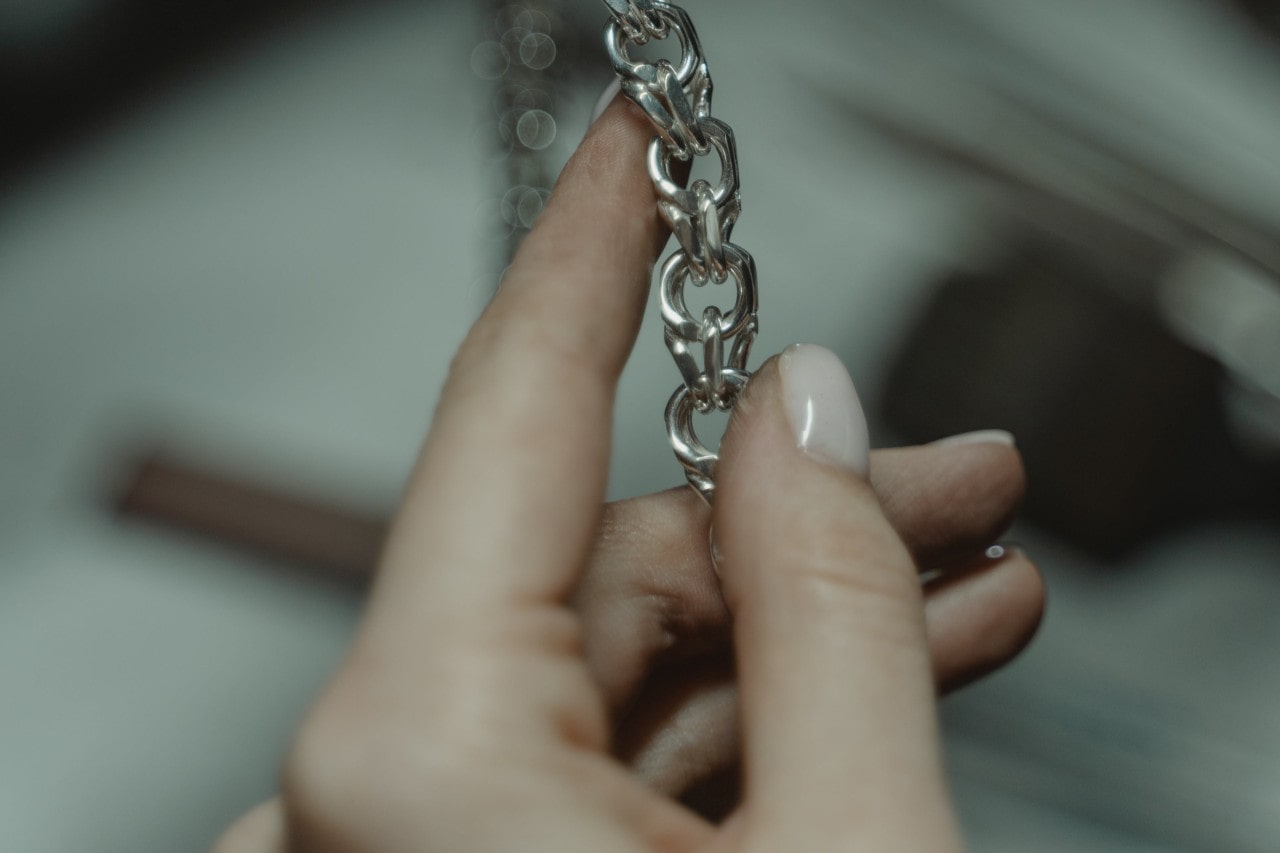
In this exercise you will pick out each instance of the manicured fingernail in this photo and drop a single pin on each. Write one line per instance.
(1000, 550)
(982, 436)
(823, 407)
(606, 97)
(991, 555)
(714, 549)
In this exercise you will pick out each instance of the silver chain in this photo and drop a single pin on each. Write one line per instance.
(677, 99)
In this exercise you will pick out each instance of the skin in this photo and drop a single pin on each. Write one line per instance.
(539, 671)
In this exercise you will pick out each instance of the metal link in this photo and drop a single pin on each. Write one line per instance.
(712, 232)
(674, 98)
(713, 357)
(720, 136)
(682, 351)
(702, 233)
(637, 19)
(677, 100)
(742, 345)
(701, 217)
(676, 271)
(664, 101)
(698, 460)
(667, 19)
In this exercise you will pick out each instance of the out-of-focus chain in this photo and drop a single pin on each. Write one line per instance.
(530, 52)
(711, 350)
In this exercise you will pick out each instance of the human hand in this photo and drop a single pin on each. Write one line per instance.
(476, 708)
(656, 629)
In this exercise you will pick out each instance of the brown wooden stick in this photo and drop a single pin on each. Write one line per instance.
(258, 517)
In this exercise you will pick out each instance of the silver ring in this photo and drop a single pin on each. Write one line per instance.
(675, 18)
(720, 135)
(676, 314)
(698, 460)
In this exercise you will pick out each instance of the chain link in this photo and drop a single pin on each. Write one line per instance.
(677, 99)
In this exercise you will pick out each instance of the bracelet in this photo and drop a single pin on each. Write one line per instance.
(677, 99)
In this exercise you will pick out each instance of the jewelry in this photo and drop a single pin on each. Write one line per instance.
(677, 99)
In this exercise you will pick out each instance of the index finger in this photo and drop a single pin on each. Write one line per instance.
(501, 507)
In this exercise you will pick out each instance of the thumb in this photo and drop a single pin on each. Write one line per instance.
(838, 700)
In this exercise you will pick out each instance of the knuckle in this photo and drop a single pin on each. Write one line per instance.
(353, 754)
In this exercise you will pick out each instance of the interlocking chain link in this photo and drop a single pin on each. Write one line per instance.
(677, 99)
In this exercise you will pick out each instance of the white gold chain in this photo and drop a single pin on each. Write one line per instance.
(677, 99)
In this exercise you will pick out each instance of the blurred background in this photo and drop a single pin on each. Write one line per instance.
(239, 242)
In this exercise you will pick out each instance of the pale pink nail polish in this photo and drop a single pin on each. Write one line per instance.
(982, 436)
(714, 548)
(823, 408)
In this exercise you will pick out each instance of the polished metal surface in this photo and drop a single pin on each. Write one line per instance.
(678, 271)
(699, 461)
(677, 99)
(674, 97)
(637, 19)
(701, 217)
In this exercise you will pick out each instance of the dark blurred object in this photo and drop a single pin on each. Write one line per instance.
(337, 541)
(1264, 13)
(1121, 424)
(1103, 337)
(67, 68)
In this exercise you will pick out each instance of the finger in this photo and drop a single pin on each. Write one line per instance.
(948, 500)
(501, 508)
(684, 727)
(687, 727)
(979, 620)
(261, 830)
(466, 640)
(838, 703)
(652, 591)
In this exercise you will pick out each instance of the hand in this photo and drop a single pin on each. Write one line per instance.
(477, 707)
(656, 629)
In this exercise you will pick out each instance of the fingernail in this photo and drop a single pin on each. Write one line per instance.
(714, 548)
(990, 556)
(823, 407)
(982, 436)
(1000, 550)
(606, 97)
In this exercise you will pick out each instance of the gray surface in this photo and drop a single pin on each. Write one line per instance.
(268, 260)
